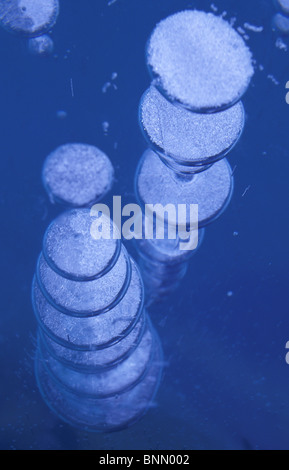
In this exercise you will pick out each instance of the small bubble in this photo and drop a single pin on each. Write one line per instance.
(41, 46)
(105, 127)
(280, 44)
(61, 114)
(230, 293)
(105, 87)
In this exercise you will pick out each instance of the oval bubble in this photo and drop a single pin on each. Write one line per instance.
(41, 46)
(281, 23)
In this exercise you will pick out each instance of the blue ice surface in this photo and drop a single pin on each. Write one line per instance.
(226, 379)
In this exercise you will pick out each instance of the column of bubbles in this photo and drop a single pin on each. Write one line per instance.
(281, 19)
(191, 118)
(32, 19)
(98, 361)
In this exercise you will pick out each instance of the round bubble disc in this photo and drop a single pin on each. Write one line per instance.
(91, 360)
(70, 249)
(184, 138)
(108, 381)
(100, 414)
(41, 46)
(197, 60)
(77, 175)
(157, 187)
(281, 23)
(91, 333)
(85, 299)
(28, 17)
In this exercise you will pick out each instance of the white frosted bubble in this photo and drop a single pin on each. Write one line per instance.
(211, 189)
(77, 175)
(101, 414)
(69, 248)
(109, 381)
(42, 45)
(29, 17)
(91, 332)
(93, 360)
(281, 23)
(84, 298)
(199, 60)
(186, 136)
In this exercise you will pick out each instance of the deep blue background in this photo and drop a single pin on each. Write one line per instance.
(226, 381)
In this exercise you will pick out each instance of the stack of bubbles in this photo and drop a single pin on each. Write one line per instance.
(191, 118)
(281, 19)
(32, 19)
(98, 360)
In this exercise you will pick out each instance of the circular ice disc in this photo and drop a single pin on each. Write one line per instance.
(157, 184)
(28, 17)
(110, 381)
(42, 45)
(91, 333)
(283, 5)
(100, 414)
(85, 298)
(70, 249)
(77, 175)
(91, 360)
(281, 22)
(187, 137)
(199, 61)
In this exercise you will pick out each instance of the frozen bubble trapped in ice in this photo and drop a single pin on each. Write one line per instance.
(91, 332)
(199, 60)
(281, 23)
(28, 17)
(69, 248)
(186, 136)
(101, 414)
(77, 175)
(85, 298)
(42, 45)
(95, 359)
(211, 189)
(107, 382)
